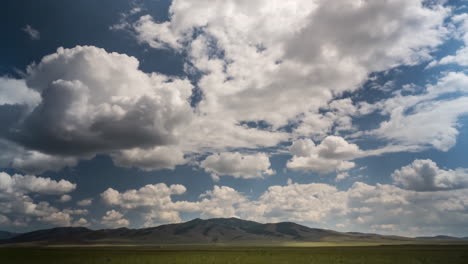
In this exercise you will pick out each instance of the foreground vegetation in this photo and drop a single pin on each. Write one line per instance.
(256, 255)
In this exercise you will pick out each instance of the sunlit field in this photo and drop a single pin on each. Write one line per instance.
(362, 254)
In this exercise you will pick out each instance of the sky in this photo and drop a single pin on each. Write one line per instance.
(346, 115)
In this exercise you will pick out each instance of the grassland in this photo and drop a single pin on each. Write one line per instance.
(400, 254)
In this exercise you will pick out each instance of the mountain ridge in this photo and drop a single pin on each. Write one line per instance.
(204, 231)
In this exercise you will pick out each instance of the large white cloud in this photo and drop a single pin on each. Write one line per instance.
(382, 208)
(149, 195)
(114, 219)
(92, 101)
(425, 175)
(154, 200)
(20, 209)
(301, 56)
(332, 154)
(33, 184)
(222, 201)
(238, 165)
(427, 119)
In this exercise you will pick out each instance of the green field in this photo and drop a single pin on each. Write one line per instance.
(255, 255)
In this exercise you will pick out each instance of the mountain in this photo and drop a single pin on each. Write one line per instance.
(441, 237)
(7, 235)
(198, 231)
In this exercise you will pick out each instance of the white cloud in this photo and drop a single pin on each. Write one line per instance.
(15, 91)
(307, 48)
(16, 202)
(107, 105)
(277, 61)
(154, 201)
(156, 35)
(114, 219)
(33, 184)
(76, 211)
(341, 176)
(362, 206)
(65, 198)
(222, 201)
(85, 202)
(57, 219)
(332, 154)
(413, 212)
(149, 195)
(97, 107)
(357, 208)
(81, 222)
(237, 165)
(30, 161)
(33, 33)
(461, 55)
(37, 162)
(425, 175)
(156, 205)
(312, 203)
(156, 158)
(424, 120)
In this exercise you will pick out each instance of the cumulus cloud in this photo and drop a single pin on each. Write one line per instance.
(85, 202)
(153, 199)
(57, 218)
(332, 154)
(106, 103)
(76, 211)
(93, 101)
(421, 120)
(155, 204)
(425, 175)
(65, 198)
(81, 222)
(149, 195)
(114, 219)
(237, 165)
(316, 204)
(30, 161)
(16, 202)
(84, 101)
(37, 162)
(236, 38)
(361, 206)
(156, 158)
(222, 201)
(33, 184)
(297, 202)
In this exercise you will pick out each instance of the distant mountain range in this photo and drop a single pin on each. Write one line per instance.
(198, 231)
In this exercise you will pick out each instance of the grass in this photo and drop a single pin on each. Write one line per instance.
(400, 254)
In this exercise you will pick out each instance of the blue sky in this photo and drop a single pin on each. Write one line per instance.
(350, 116)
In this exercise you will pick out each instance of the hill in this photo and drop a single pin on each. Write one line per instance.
(7, 235)
(198, 231)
